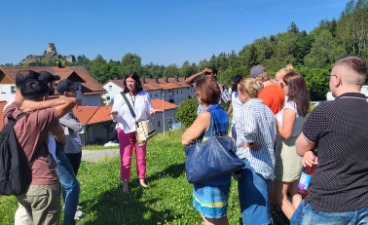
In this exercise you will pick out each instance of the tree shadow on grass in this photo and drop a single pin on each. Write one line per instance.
(173, 171)
(117, 207)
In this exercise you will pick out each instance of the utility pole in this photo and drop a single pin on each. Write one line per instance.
(163, 110)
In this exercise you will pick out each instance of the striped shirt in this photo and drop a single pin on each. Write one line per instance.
(257, 124)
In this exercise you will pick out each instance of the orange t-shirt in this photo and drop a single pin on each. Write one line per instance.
(273, 96)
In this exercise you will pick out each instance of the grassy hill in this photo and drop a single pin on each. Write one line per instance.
(167, 201)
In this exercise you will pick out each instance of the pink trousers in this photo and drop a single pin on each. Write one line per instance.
(126, 143)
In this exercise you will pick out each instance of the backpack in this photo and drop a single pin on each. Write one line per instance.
(15, 169)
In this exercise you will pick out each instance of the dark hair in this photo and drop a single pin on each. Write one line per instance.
(235, 81)
(34, 90)
(214, 70)
(23, 76)
(297, 92)
(138, 84)
(208, 91)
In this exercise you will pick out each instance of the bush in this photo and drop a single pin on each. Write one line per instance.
(187, 112)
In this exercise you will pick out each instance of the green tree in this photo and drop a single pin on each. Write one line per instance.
(187, 112)
(325, 50)
(131, 63)
(187, 69)
(171, 71)
(317, 81)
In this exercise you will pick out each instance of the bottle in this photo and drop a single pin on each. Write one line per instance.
(305, 180)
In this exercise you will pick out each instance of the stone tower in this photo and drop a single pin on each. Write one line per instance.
(50, 51)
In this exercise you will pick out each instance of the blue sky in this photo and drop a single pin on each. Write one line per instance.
(163, 32)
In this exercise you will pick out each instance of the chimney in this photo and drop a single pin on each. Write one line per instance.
(167, 80)
(177, 78)
(157, 80)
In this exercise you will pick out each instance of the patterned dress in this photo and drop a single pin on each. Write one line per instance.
(210, 198)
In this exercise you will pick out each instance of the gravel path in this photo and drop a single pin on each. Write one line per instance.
(96, 155)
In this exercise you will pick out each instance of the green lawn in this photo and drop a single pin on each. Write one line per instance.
(167, 201)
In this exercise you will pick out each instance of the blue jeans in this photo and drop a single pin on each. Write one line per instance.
(305, 215)
(253, 196)
(70, 184)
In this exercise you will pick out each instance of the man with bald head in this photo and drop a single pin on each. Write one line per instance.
(338, 192)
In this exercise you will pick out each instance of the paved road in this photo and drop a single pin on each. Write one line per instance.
(96, 155)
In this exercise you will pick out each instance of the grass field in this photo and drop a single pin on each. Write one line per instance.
(167, 201)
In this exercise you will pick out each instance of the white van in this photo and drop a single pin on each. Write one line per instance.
(364, 91)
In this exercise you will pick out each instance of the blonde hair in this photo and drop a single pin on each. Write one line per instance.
(283, 71)
(251, 86)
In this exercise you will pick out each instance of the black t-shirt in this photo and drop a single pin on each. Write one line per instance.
(340, 130)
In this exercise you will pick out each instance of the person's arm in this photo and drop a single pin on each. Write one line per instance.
(118, 103)
(58, 133)
(286, 128)
(199, 126)
(304, 149)
(190, 79)
(59, 103)
(230, 109)
(151, 110)
(69, 122)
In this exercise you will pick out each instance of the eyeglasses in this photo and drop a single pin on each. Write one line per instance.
(283, 85)
(330, 75)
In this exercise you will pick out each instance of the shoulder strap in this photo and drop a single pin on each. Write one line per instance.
(215, 124)
(38, 150)
(128, 103)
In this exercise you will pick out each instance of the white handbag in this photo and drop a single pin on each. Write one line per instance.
(145, 130)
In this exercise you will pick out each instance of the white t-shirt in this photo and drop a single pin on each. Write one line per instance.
(237, 106)
(299, 121)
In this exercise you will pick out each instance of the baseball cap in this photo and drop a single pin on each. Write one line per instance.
(65, 85)
(256, 70)
(47, 77)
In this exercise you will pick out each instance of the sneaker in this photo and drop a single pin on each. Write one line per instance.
(79, 215)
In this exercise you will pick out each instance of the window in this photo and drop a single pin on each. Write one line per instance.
(159, 123)
(12, 89)
(110, 87)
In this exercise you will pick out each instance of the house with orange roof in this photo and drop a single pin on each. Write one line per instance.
(2, 105)
(98, 127)
(88, 93)
(172, 90)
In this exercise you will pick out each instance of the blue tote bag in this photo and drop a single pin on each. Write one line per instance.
(211, 159)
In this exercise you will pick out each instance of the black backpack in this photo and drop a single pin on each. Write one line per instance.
(15, 169)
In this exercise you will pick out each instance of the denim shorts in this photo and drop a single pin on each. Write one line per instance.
(305, 215)
(253, 196)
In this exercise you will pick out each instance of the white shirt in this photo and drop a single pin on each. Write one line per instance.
(299, 121)
(237, 106)
(141, 105)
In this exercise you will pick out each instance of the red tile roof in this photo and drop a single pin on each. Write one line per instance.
(76, 73)
(157, 84)
(98, 114)
(162, 105)
(93, 114)
(2, 105)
